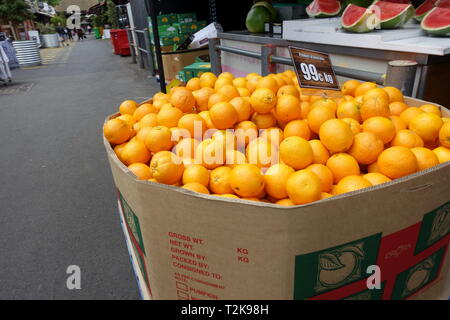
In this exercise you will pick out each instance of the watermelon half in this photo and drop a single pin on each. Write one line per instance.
(359, 19)
(392, 15)
(437, 22)
(424, 8)
(443, 4)
(323, 8)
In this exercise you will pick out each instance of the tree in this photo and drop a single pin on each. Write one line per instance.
(53, 3)
(15, 10)
(112, 14)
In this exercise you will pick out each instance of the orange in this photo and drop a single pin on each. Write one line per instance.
(318, 115)
(128, 107)
(264, 121)
(242, 107)
(141, 171)
(222, 82)
(227, 196)
(398, 123)
(194, 124)
(229, 91)
(288, 90)
(207, 118)
(285, 202)
(226, 75)
(251, 75)
(196, 173)
(216, 98)
(169, 116)
(305, 107)
(304, 186)
(240, 82)
(268, 83)
(397, 107)
(349, 87)
(161, 96)
(325, 195)
(373, 167)
(444, 135)
(202, 97)
(353, 124)
(219, 182)
(348, 109)
(426, 125)
(325, 175)
(193, 84)
(118, 150)
(246, 180)
(366, 147)
(396, 162)
(117, 131)
(273, 135)
(289, 73)
(342, 165)
(410, 113)
(280, 81)
(351, 183)
(261, 152)
(325, 102)
(196, 187)
(142, 134)
(234, 157)
(134, 152)
(407, 138)
(320, 153)
(296, 152)
(442, 153)
(210, 154)
(287, 108)
(245, 132)
(376, 178)
(381, 126)
(166, 167)
(143, 110)
(394, 94)
(128, 118)
(375, 103)
(183, 99)
(252, 83)
(158, 104)
(336, 135)
(426, 158)
(431, 108)
(275, 180)
(149, 120)
(208, 79)
(186, 148)
(225, 138)
(223, 115)
(244, 92)
(364, 87)
(297, 128)
(263, 100)
(158, 139)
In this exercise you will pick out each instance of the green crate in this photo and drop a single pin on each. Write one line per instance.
(196, 69)
(167, 19)
(186, 17)
(191, 27)
(182, 76)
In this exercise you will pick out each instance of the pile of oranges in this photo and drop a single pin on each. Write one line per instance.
(258, 138)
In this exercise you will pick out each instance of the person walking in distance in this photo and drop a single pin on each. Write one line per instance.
(62, 34)
(69, 33)
(80, 34)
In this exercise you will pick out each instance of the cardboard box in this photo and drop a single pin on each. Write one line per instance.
(195, 246)
(175, 61)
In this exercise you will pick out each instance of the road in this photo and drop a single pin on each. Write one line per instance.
(58, 202)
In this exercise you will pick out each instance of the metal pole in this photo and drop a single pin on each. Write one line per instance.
(152, 11)
(148, 47)
(132, 45)
(214, 56)
(401, 74)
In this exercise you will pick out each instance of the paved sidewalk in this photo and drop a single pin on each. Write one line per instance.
(58, 202)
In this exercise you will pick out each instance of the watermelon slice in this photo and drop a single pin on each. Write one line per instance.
(424, 8)
(323, 8)
(443, 4)
(392, 15)
(400, 1)
(437, 22)
(358, 19)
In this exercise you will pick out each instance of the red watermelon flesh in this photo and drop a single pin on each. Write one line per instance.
(323, 8)
(443, 4)
(424, 8)
(400, 1)
(390, 9)
(352, 14)
(437, 22)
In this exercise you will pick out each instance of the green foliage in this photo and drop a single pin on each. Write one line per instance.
(58, 19)
(45, 28)
(15, 10)
(53, 3)
(112, 14)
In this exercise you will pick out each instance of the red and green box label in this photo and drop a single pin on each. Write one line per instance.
(409, 261)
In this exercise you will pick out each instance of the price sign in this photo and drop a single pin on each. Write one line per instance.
(314, 71)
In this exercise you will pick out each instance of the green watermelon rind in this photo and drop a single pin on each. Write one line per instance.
(443, 31)
(359, 26)
(324, 14)
(268, 6)
(256, 18)
(398, 20)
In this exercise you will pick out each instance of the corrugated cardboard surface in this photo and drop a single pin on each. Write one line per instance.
(175, 61)
(251, 250)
